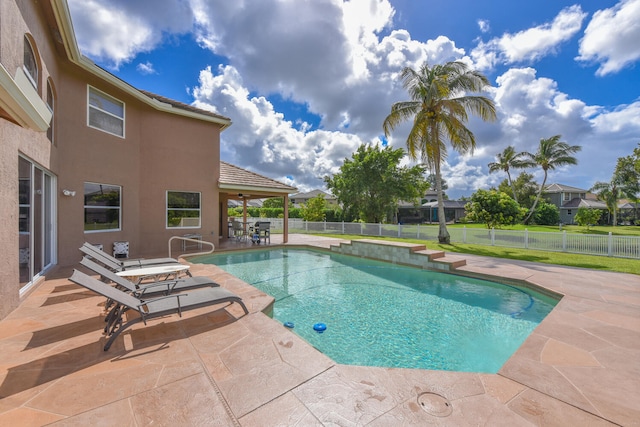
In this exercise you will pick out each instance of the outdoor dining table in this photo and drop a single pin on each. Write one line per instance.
(157, 273)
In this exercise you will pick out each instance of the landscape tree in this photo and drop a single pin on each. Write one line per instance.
(508, 160)
(552, 153)
(493, 208)
(526, 189)
(546, 214)
(587, 217)
(441, 98)
(275, 202)
(610, 193)
(370, 184)
(314, 209)
(628, 172)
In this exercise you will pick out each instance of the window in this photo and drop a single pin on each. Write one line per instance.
(102, 207)
(105, 113)
(30, 63)
(51, 105)
(568, 211)
(566, 196)
(183, 209)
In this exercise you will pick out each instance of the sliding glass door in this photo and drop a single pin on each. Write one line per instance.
(36, 225)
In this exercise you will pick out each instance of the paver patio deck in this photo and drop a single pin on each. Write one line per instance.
(213, 366)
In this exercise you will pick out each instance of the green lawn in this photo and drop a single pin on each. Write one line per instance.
(621, 265)
(620, 230)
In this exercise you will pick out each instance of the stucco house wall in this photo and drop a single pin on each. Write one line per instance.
(166, 147)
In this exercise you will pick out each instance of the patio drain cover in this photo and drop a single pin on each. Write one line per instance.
(434, 404)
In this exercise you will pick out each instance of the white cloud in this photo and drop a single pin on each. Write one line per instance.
(531, 44)
(263, 141)
(145, 68)
(484, 25)
(125, 28)
(341, 60)
(612, 37)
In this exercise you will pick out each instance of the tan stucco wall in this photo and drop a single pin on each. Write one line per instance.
(160, 152)
(16, 19)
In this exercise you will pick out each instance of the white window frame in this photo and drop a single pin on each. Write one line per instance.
(199, 209)
(51, 107)
(33, 79)
(119, 208)
(109, 98)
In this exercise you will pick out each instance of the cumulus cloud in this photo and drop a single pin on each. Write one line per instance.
(126, 28)
(484, 26)
(612, 36)
(340, 61)
(263, 141)
(145, 68)
(530, 44)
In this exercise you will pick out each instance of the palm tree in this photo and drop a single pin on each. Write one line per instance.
(439, 108)
(552, 153)
(609, 193)
(508, 160)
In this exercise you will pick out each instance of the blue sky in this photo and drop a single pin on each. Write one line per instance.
(306, 82)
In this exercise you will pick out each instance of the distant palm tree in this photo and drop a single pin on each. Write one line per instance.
(508, 160)
(610, 193)
(552, 153)
(439, 108)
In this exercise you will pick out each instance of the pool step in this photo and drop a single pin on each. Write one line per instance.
(402, 253)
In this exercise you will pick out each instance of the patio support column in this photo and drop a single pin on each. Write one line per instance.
(244, 214)
(285, 223)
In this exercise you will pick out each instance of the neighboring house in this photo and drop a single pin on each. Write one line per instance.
(299, 199)
(87, 157)
(569, 199)
(428, 212)
(453, 210)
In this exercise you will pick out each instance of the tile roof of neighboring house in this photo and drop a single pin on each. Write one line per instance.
(559, 188)
(311, 194)
(583, 203)
(235, 178)
(182, 105)
(455, 204)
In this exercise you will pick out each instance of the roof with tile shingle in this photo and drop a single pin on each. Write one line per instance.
(237, 179)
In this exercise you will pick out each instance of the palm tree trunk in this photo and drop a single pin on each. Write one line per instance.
(535, 203)
(443, 234)
(513, 187)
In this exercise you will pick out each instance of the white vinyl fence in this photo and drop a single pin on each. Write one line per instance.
(588, 244)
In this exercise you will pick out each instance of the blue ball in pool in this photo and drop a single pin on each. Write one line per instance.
(319, 327)
(289, 325)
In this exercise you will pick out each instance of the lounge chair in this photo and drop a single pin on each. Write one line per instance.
(148, 290)
(151, 308)
(118, 265)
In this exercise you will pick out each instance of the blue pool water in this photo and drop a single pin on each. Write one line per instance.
(381, 314)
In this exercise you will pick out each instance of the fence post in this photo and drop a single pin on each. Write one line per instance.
(564, 240)
(379, 229)
(324, 224)
(399, 230)
(493, 236)
(526, 238)
(306, 226)
(418, 232)
(610, 245)
(464, 234)
(342, 227)
(361, 228)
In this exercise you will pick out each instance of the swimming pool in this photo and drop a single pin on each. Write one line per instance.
(381, 314)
